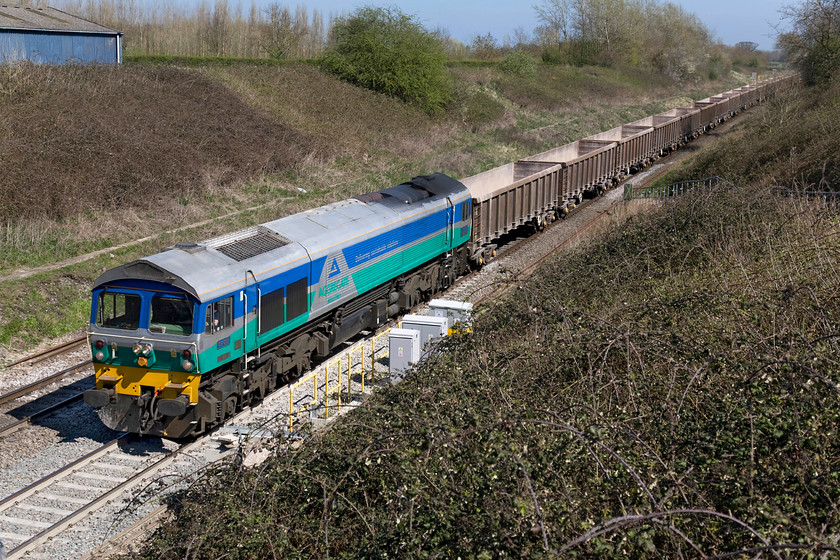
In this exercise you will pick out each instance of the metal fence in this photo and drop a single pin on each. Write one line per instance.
(660, 192)
(827, 197)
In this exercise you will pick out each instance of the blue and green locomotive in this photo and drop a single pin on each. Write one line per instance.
(182, 339)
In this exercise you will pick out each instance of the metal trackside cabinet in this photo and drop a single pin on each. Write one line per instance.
(431, 329)
(458, 313)
(404, 351)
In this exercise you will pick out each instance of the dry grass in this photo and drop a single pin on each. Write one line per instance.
(354, 122)
(81, 139)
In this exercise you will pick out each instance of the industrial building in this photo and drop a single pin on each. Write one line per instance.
(50, 36)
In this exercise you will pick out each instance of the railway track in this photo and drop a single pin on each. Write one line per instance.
(50, 352)
(45, 519)
(34, 387)
(27, 391)
(46, 509)
(44, 382)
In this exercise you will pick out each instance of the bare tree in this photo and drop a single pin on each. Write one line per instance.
(813, 44)
(638, 32)
(556, 17)
(484, 46)
(748, 46)
(281, 35)
(214, 28)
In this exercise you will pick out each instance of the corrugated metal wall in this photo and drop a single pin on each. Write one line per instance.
(43, 47)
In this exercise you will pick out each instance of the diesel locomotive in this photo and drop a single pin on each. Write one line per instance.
(183, 338)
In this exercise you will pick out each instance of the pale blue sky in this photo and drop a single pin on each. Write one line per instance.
(729, 20)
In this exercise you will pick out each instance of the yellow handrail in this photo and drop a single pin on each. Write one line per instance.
(360, 347)
(334, 389)
(292, 413)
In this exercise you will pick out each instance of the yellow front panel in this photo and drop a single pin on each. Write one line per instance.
(130, 379)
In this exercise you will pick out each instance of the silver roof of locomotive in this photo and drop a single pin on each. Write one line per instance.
(216, 267)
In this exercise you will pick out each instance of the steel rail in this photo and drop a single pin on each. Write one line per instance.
(64, 471)
(17, 424)
(121, 543)
(50, 352)
(99, 502)
(49, 380)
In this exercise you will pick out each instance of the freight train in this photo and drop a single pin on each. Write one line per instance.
(183, 339)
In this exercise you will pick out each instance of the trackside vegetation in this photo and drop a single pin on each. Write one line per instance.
(671, 391)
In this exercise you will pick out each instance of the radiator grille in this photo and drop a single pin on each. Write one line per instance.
(248, 243)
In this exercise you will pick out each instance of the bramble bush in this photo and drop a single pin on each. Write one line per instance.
(670, 392)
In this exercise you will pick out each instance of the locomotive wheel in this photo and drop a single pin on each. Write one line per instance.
(229, 408)
(304, 365)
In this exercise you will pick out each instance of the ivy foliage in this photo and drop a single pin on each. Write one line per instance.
(387, 51)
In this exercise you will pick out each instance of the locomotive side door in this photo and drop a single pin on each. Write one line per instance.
(450, 223)
(250, 301)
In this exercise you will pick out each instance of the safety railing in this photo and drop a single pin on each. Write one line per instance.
(827, 197)
(334, 376)
(335, 388)
(305, 379)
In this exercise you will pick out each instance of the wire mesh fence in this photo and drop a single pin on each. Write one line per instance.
(659, 192)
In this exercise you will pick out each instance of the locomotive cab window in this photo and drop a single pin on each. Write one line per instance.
(465, 210)
(219, 315)
(171, 315)
(120, 311)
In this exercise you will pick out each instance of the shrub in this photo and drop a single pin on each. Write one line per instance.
(482, 108)
(555, 55)
(519, 64)
(384, 50)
